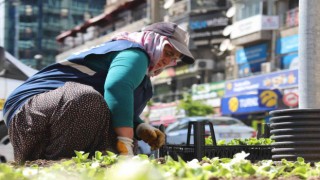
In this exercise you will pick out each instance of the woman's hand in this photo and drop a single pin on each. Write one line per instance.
(125, 146)
(125, 142)
(151, 135)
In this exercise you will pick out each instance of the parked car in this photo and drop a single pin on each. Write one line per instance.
(226, 128)
(144, 148)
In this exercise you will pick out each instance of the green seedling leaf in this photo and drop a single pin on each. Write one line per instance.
(98, 155)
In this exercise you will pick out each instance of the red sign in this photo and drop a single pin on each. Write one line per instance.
(291, 99)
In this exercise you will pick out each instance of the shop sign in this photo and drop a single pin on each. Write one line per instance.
(205, 34)
(264, 100)
(287, 44)
(184, 70)
(252, 53)
(163, 110)
(290, 61)
(208, 90)
(291, 99)
(276, 80)
(169, 72)
(246, 56)
(247, 69)
(208, 20)
(213, 22)
(254, 24)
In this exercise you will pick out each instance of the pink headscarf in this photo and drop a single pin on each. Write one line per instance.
(153, 43)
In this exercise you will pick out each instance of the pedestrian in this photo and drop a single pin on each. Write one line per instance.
(92, 100)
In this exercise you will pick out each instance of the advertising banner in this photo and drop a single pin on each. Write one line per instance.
(165, 111)
(208, 90)
(277, 80)
(249, 59)
(207, 21)
(251, 53)
(287, 44)
(290, 61)
(263, 100)
(254, 24)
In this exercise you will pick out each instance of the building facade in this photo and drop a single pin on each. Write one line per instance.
(244, 49)
(265, 58)
(31, 26)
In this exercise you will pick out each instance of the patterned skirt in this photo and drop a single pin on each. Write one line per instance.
(54, 124)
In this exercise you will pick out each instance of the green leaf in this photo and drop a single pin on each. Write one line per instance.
(98, 155)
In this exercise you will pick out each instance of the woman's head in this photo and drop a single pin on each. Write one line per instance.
(162, 41)
(169, 57)
(176, 36)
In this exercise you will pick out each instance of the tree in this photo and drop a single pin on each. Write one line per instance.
(193, 107)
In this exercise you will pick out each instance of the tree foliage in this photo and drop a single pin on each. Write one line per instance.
(193, 107)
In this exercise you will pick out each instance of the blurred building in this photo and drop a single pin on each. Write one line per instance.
(205, 21)
(243, 48)
(31, 26)
(261, 70)
(119, 16)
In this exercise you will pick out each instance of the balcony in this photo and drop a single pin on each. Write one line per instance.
(253, 29)
(26, 44)
(134, 26)
(289, 19)
(254, 24)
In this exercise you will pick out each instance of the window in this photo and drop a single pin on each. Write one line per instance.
(248, 8)
(293, 4)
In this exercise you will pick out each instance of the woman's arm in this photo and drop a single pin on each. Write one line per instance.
(126, 72)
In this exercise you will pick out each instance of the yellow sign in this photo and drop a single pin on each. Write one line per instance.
(2, 103)
(233, 104)
(269, 98)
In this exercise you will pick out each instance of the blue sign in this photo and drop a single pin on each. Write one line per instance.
(247, 69)
(276, 80)
(290, 61)
(252, 53)
(287, 44)
(264, 100)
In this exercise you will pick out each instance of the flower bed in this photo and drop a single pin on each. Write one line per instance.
(141, 167)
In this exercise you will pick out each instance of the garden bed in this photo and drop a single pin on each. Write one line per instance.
(142, 167)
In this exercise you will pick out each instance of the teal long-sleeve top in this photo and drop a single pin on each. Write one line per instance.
(126, 70)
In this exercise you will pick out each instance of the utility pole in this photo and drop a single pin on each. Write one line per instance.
(297, 144)
(309, 54)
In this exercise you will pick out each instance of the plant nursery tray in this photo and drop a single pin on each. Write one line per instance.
(188, 152)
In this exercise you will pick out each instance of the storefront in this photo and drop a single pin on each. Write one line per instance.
(287, 51)
(164, 113)
(252, 105)
(249, 59)
(209, 93)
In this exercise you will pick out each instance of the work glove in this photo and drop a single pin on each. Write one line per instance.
(125, 146)
(151, 135)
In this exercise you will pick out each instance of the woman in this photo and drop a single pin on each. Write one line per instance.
(92, 101)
